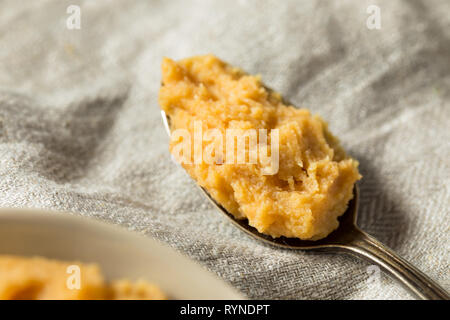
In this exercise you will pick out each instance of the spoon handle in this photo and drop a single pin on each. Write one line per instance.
(371, 249)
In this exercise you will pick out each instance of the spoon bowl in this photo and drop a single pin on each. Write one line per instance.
(347, 238)
(336, 239)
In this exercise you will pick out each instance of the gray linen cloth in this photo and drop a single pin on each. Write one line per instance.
(80, 128)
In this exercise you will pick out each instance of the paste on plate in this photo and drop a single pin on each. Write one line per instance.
(37, 278)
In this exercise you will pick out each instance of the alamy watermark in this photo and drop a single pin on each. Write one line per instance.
(238, 146)
(374, 19)
(73, 21)
(374, 279)
(73, 281)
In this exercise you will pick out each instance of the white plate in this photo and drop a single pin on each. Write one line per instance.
(120, 253)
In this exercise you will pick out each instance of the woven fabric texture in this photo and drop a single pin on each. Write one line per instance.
(80, 128)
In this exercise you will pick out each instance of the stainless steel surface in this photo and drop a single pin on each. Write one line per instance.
(348, 238)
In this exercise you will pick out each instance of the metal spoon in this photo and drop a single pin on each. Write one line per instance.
(348, 238)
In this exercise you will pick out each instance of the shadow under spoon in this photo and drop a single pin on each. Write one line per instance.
(348, 238)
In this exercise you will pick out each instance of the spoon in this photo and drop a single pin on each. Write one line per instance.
(347, 238)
